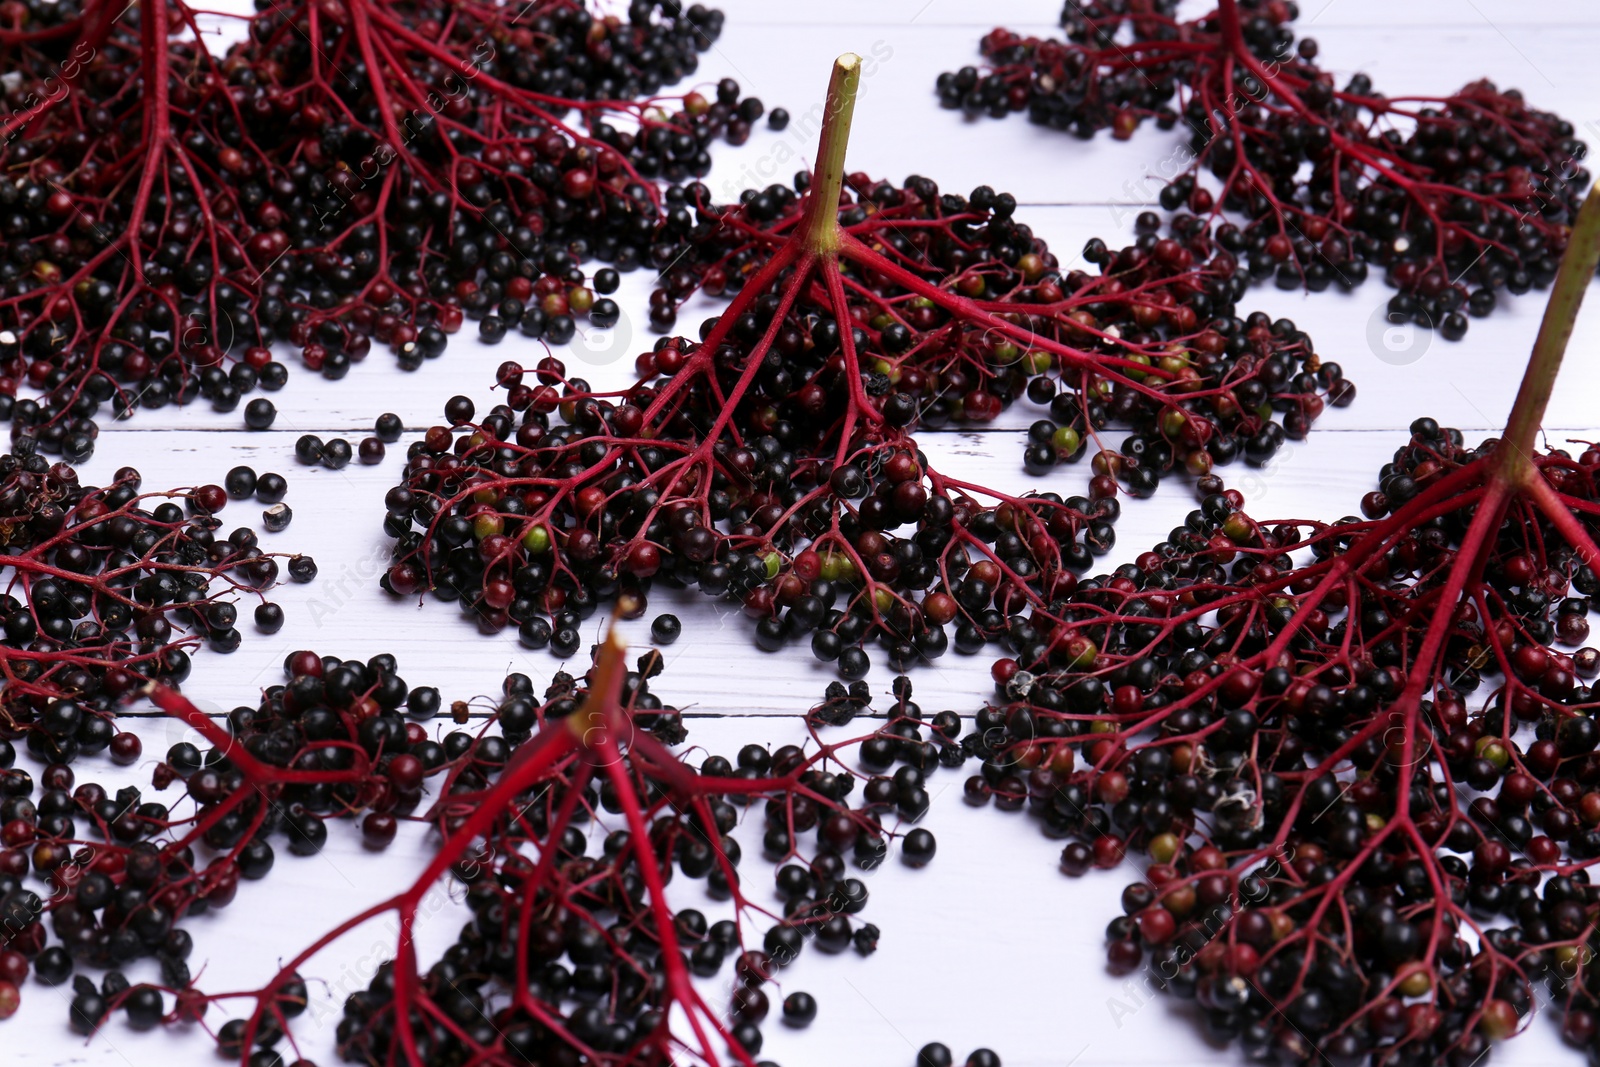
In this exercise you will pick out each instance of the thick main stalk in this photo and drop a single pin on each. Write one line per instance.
(1560, 314)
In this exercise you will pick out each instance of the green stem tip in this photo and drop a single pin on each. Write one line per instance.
(820, 227)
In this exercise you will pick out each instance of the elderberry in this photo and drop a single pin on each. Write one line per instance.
(388, 428)
(269, 618)
(240, 482)
(271, 488)
(259, 414)
(335, 454)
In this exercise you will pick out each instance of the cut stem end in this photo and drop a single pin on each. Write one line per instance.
(820, 227)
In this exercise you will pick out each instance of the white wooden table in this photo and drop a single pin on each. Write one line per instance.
(990, 945)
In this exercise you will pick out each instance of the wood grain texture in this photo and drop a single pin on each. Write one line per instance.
(990, 945)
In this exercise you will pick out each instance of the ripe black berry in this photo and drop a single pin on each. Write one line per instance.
(307, 831)
(269, 617)
(273, 376)
(144, 1007)
(799, 1009)
(665, 629)
(240, 482)
(853, 663)
(565, 642)
(270, 488)
(747, 1036)
(1086, 83)
(336, 454)
(560, 329)
(277, 517)
(53, 966)
(388, 427)
(86, 1011)
(918, 847)
(370, 451)
(534, 633)
(423, 703)
(259, 414)
(302, 568)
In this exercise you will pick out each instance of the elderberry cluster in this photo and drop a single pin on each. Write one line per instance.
(596, 965)
(1166, 304)
(127, 869)
(1202, 704)
(1257, 365)
(600, 958)
(109, 903)
(795, 433)
(328, 211)
(536, 513)
(114, 589)
(1454, 198)
(1070, 87)
(577, 54)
